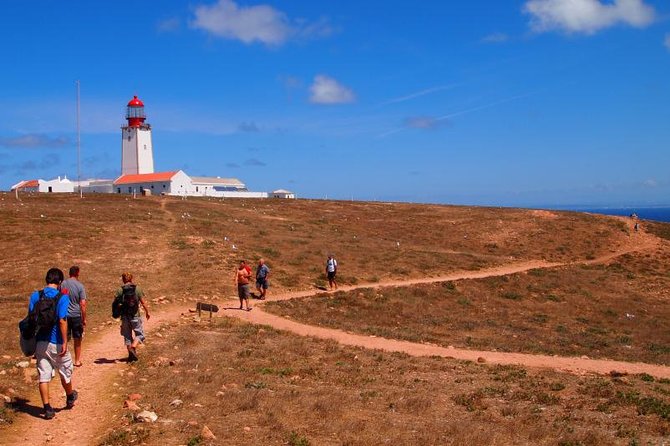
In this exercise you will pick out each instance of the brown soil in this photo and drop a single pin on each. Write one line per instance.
(170, 231)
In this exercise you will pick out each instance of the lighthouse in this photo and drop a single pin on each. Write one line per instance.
(136, 149)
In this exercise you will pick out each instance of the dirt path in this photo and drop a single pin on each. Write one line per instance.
(637, 242)
(104, 355)
(95, 381)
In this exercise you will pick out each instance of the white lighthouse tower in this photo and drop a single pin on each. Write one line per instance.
(136, 149)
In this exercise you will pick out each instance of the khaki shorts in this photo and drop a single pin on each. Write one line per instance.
(130, 326)
(48, 361)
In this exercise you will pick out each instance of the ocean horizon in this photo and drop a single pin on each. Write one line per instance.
(644, 213)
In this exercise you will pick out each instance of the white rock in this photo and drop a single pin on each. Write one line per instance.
(146, 417)
(23, 364)
(176, 403)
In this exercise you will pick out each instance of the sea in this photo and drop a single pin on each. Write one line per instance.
(644, 213)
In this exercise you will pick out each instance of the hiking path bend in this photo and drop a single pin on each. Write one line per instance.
(578, 365)
(98, 379)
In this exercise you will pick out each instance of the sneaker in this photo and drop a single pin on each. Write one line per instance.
(49, 413)
(71, 398)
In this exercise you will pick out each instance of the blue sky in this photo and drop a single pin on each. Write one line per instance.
(526, 103)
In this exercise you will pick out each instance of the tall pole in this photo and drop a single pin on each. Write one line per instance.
(78, 145)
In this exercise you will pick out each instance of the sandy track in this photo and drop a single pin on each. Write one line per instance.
(94, 381)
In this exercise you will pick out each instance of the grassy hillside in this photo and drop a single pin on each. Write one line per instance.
(183, 250)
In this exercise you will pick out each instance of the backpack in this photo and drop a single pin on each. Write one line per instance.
(45, 312)
(117, 304)
(130, 303)
(28, 335)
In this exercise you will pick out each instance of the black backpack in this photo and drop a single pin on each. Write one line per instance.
(130, 303)
(45, 312)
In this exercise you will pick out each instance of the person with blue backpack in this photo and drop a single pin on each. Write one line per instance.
(48, 310)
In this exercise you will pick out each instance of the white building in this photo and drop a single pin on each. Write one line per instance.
(160, 183)
(27, 186)
(283, 193)
(212, 186)
(61, 185)
(95, 186)
(137, 152)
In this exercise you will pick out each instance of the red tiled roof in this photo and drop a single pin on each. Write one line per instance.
(145, 178)
(30, 183)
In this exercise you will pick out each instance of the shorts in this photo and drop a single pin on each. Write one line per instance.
(243, 291)
(331, 275)
(130, 326)
(262, 283)
(75, 329)
(48, 360)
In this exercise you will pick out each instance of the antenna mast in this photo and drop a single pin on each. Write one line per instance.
(78, 146)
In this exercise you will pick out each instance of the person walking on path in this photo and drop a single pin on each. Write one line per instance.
(76, 312)
(50, 308)
(242, 277)
(129, 297)
(331, 271)
(262, 274)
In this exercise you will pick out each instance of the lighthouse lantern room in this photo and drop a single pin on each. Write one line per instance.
(136, 147)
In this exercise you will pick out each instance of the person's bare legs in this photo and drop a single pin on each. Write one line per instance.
(66, 386)
(77, 352)
(44, 393)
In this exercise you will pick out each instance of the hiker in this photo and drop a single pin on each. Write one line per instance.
(262, 274)
(76, 312)
(50, 309)
(129, 297)
(242, 276)
(331, 271)
(637, 226)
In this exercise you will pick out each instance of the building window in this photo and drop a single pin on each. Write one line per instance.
(130, 189)
(145, 147)
(152, 186)
(164, 186)
(118, 190)
(51, 189)
(196, 188)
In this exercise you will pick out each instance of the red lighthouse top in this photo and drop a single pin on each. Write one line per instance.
(135, 113)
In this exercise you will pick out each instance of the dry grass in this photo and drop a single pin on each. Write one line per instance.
(617, 311)
(183, 250)
(231, 379)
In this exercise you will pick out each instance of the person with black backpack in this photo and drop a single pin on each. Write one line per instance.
(126, 305)
(48, 310)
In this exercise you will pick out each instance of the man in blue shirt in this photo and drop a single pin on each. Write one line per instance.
(262, 274)
(51, 352)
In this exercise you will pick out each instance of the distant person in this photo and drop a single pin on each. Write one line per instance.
(242, 277)
(76, 312)
(636, 227)
(331, 271)
(50, 309)
(262, 275)
(129, 297)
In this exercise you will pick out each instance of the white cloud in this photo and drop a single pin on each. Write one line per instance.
(326, 90)
(587, 16)
(667, 41)
(260, 23)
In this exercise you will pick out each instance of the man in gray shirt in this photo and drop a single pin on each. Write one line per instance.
(76, 312)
